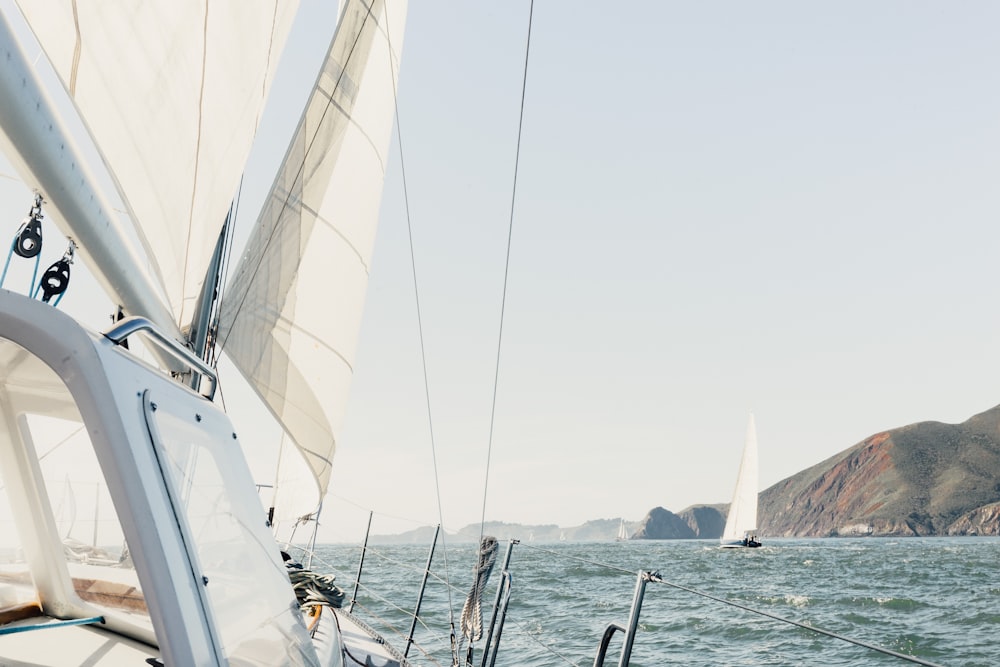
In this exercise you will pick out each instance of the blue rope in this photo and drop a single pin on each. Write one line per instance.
(10, 253)
(55, 624)
(34, 275)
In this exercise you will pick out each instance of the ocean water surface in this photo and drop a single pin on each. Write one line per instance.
(934, 598)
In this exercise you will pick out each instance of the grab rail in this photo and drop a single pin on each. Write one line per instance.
(633, 623)
(602, 648)
(130, 325)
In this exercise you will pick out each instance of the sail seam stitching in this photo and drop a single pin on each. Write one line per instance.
(77, 49)
(267, 67)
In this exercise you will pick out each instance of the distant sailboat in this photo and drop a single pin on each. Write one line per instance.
(741, 522)
(622, 532)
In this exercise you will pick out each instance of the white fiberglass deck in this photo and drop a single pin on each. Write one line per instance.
(71, 646)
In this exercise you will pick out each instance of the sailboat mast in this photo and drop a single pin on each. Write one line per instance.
(201, 323)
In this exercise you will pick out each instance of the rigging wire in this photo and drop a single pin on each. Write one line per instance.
(420, 335)
(506, 270)
(310, 141)
(296, 182)
(657, 579)
(55, 447)
(806, 626)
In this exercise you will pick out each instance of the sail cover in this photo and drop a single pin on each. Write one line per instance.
(290, 318)
(743, 510)
(172, 94)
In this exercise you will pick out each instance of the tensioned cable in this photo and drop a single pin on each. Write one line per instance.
(506, 269)
(530, 635)
(657, 579)
(805, 626)
(476, 593)
(62, 442)
(300, 169)
(54, 447)
(420, 327)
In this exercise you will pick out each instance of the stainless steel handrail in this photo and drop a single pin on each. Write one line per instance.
(130, 325)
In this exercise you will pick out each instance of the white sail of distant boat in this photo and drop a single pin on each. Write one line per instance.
(622, 532)
(741, 521)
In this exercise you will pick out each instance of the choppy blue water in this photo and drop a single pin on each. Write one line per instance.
(934, 598)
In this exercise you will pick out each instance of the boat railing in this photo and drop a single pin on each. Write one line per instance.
(555, 642)
(805, 626)
(629, 630)
(372, 604)
(120, 332)
(389, 617)
(386, 617)
(633, 623)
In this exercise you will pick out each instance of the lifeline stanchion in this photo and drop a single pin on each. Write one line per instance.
(633, 623)
(504, 580)
(420, 596)
(361, 565)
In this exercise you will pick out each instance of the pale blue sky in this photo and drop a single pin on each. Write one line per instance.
(790, 208)
(723, 207)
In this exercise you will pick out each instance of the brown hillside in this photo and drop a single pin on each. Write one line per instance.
(924, 479)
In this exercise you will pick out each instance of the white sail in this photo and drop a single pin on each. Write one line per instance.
(742, 515)
(48, 158)
(291, 317)
(172, 94)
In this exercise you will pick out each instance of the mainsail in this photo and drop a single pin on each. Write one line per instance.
(171, 93)
(290, 318)
(743, 510)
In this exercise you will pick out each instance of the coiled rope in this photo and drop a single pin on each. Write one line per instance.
(472, 610)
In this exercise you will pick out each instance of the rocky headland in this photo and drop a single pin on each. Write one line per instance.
(928, 478)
